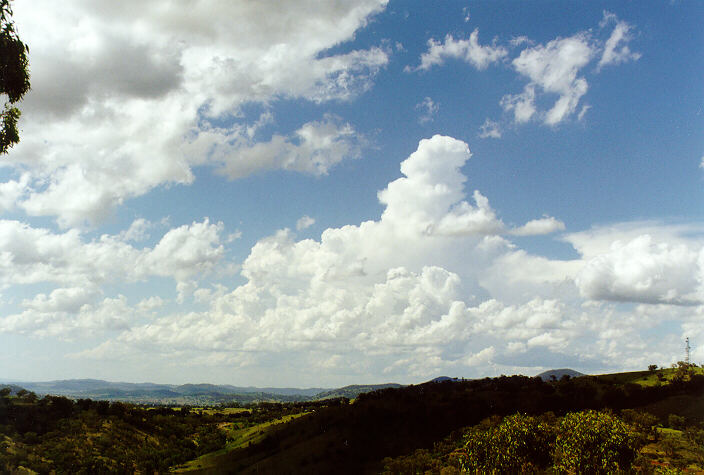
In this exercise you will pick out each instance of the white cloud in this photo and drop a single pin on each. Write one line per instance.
(490, 129)
(428, 288)
(428, 109)
(185, 251)
(468, 50)
(517, 276)
(535, 227)
(138, 231)
(121, 104)
(11, 191)
(616, 49)
(36, 255)
(304, 222)
(553, 68)
(62, 300)
(44, 319)
(314, 148)
(482, 358)
(522, 105)
(636, 264)
(149, 304)
(394, 290)
(583, 112)
(520, 40)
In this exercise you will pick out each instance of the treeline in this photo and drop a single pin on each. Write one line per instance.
(61, 435)
(355, 438)
(57, 434)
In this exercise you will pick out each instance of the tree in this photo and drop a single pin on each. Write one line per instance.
(594, 442)
(518, 444)
(14, 76)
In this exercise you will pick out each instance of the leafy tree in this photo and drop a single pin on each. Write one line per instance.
(594, 442)
(520, 443)
(14, 76)
(652, 367)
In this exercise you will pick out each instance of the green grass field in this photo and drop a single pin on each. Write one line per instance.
(237, 438)
(645, 378)
(219, 410)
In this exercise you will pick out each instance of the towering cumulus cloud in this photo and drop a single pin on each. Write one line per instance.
(372, 296)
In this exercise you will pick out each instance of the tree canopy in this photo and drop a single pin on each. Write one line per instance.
(14, 76)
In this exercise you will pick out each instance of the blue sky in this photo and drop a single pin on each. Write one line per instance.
(361, 191)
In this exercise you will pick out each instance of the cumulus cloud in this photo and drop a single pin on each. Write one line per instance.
(616, 49)
(304, 222)
(43, 318)
(61, 300)
(469, 50)
(642, 270)
(11, 191)
(522, 105)
(535, 227)
(132, 101)
(138, 231)
(37, 255)
(392, 289)
(428, 198)
(553, 68)
(641, 263)
(314, 148)
(431, 285)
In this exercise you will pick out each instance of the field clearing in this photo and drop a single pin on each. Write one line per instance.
(210, 411)
(646, 378)
(238, 438)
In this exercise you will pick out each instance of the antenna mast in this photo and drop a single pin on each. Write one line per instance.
(687, 349)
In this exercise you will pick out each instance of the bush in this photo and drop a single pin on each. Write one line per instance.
(676, 422)
(594, 442)
(643, 422)
(520, 443)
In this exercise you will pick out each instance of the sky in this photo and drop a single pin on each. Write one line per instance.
(322, 193)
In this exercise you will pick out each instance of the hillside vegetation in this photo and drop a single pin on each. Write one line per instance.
(379, 426)
(433, 427)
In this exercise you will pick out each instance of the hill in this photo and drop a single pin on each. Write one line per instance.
(356, 438)
(559, 373)
(413, 428)
(192, 394)
(352, 391)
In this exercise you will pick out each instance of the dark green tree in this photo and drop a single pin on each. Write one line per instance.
(14, 76)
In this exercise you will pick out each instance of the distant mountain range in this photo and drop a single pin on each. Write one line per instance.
(209, 394)
(185, 393)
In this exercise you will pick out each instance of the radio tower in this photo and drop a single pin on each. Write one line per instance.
(687, 348)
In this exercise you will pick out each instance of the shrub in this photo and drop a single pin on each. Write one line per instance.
(520, 443)
(594, 442)
(676, 422)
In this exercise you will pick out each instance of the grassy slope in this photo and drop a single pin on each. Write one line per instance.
(644, 378)
(303, 453)
(238, 438)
